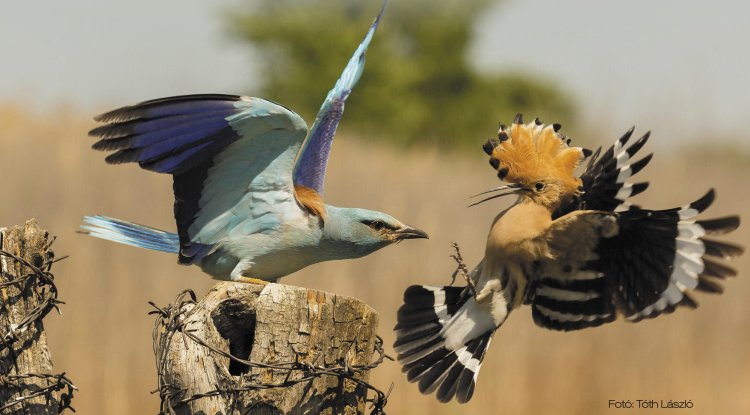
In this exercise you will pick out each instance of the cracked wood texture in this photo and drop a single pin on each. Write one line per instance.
(268, 324)
(29, 353)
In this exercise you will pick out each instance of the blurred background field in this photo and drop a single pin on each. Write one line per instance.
(103, 340)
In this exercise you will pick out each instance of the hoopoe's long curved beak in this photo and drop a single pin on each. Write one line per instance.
(512, 189)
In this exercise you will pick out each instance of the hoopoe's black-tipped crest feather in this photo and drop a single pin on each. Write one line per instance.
(533, 151)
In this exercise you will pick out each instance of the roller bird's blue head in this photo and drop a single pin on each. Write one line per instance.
(360, 232)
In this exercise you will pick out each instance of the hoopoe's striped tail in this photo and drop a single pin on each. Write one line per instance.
(441, 337)
(132, 234)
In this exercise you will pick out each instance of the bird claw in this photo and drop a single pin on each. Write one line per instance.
(248, 280)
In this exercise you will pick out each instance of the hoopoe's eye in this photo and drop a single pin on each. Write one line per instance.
(539, 186)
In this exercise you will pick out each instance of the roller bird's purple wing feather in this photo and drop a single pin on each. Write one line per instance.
(218, 148)
(311, 163)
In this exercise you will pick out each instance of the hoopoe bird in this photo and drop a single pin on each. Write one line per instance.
(571, 247)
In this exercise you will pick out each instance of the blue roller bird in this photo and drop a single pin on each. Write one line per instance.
(248, 182)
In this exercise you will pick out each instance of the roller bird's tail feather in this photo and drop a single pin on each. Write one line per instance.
(132, 234)
(441, 339)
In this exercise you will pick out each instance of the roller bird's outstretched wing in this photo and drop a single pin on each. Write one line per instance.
(310, 170)
(232, 158)
(639, 263)
(604, 183)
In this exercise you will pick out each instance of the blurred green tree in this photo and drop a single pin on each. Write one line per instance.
(417, 86)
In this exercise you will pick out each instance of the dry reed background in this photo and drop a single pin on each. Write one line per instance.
(103, 339)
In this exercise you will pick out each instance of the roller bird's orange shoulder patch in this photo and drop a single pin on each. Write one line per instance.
(310, 200)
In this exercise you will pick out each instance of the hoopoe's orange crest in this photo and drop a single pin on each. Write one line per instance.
(526, 153)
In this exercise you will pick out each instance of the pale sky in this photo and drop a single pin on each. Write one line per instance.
(677, 67)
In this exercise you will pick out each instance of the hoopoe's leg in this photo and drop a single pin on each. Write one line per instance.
(486, 292)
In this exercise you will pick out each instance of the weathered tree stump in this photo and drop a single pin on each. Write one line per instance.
(27, 294)
(309, 352)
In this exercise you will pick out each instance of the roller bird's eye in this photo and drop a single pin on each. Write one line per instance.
(377, 225)
(539, 186)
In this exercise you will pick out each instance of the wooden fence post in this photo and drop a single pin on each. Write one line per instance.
(293, 351)
(27, 294)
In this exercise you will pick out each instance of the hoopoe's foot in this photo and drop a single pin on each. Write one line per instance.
(248, 280)
(487, 291)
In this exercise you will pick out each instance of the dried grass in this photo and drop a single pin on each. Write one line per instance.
(103, 340)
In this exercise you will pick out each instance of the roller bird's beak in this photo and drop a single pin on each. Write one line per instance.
(511, 189)
(407, 232)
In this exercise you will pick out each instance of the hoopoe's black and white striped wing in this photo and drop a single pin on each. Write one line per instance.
(441, 338)
(565, 293)
(605, 183)
(638, 263)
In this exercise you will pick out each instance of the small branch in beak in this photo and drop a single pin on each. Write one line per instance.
(408, 232)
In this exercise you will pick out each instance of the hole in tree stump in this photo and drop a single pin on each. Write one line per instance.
(263, 408)
(235, 321)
